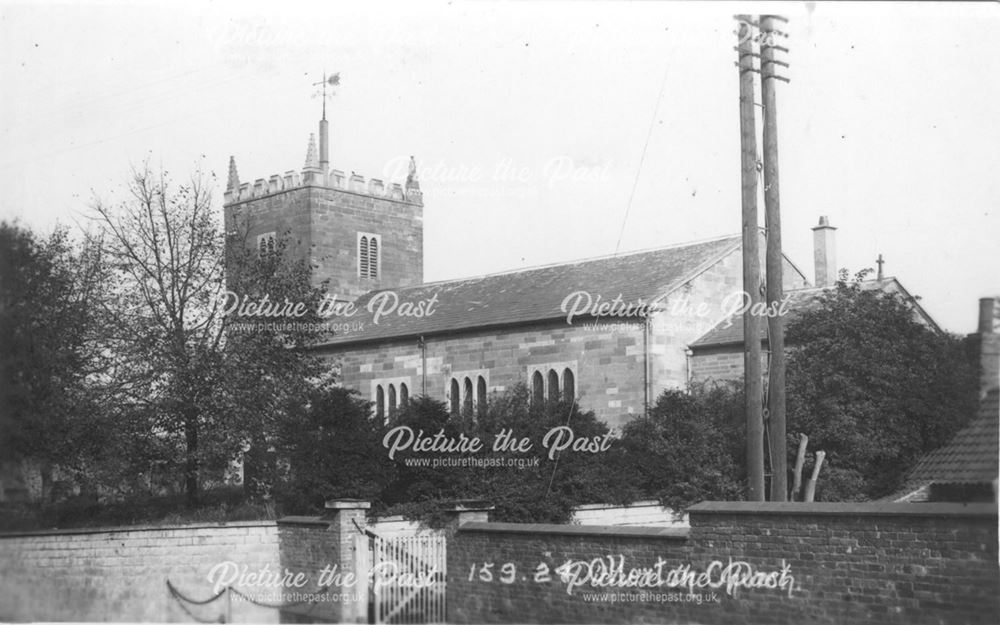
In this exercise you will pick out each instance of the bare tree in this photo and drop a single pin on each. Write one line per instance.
(166, 248)
(182, 366)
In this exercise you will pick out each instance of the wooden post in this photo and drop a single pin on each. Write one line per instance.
(774, 279)
(811, 484)
(753, 387)
(800, 460)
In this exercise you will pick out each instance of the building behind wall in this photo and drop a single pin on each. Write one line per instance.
(717, 355)
(486, 334)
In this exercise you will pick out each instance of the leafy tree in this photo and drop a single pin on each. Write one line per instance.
(50, 301)
(874, 387)
(271, 376)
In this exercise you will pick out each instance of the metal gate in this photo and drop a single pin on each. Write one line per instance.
(407, 578)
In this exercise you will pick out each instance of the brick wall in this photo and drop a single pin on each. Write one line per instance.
(851, 563)
(483, 550)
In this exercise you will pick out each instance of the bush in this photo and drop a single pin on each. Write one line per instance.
(689, 447)
(543, 489)
(331, 448)
(217, 506)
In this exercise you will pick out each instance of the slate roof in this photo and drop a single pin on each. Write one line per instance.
(971, 457)
(730, 331)
(531, 295)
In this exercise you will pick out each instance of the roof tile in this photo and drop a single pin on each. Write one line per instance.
(536, 294)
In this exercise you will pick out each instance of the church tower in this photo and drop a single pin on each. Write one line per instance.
(358, 235)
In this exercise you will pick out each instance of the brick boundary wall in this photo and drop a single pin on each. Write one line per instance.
(851, 563)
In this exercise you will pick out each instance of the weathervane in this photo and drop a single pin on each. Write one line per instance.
(333, 80)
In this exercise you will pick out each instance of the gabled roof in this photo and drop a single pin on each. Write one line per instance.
(971, 457)
(530, 295)
(730, 331)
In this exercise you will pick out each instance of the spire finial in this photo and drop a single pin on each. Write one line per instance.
(312, 158)
(234, 178)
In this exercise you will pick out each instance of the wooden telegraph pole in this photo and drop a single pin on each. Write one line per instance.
(769, 33)
(753, 390)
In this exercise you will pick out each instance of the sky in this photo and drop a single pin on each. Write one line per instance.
(543, 131)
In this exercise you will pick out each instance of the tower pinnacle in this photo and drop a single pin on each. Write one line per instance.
(233, 183)
(312, 159)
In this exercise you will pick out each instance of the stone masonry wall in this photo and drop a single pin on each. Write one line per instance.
(850, 563)
(324, 223)
(607, 363)
(121, 574)
(285, 214)
(721, 363)
(337, 218)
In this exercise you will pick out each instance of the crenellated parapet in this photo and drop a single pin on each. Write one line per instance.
(313, 176)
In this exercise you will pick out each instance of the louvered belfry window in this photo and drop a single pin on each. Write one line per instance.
(265, 244)
(363, 256)
(368, 260)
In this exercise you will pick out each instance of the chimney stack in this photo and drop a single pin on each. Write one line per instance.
(988, 342)
(825, 252)
(986, 305)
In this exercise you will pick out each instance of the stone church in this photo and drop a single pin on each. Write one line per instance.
(610, 332)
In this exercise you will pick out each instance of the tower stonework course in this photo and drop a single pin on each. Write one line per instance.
(331, 219)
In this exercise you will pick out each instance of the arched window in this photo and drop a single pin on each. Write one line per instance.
(481, 396)
(392, 401)
(467, 398)
(363, 256)
(379, 402)
(537, 388)
(373, 257)
(404, 395)
(368, 251)
(569, 385)
(553, 385)
(454, 397)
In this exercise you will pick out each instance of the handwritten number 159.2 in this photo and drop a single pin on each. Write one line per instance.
(508, 573)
